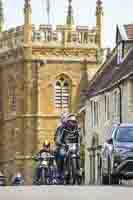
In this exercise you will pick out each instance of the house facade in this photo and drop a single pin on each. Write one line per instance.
(109, 99)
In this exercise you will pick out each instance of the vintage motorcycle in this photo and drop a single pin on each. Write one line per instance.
(47, 167)
(72, 164)
(17, 180)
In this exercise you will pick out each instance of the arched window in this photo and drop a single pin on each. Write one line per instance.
(62, 93)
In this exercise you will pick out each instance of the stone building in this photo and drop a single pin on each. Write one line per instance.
(110, 99)
(43, 72)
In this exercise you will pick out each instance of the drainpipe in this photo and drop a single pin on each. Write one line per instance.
(120, 103)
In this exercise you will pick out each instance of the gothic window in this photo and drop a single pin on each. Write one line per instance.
(62, 93)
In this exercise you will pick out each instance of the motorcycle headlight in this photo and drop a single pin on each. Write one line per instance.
(74, 148)
(44, 162)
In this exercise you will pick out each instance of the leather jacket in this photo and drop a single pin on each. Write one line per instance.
(66, 135)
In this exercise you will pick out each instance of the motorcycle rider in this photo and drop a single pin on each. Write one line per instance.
(17, 179)
(45, 149)
(66, 133)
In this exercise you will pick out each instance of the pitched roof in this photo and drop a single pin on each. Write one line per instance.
(124, 32)
(111, 74)
(129, 31)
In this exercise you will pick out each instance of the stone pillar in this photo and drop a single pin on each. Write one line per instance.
(27, 22)
(30, 110)
(99, 21)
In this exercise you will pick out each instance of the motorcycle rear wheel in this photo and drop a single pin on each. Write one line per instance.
(44, 176)
(74, 171)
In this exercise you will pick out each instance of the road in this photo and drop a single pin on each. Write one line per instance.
(66, 193)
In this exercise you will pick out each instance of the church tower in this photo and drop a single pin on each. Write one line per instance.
(42, 72)
(99, 23)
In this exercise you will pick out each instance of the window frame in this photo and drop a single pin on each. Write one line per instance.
(63, 100)
(107, 107)
(94, 114)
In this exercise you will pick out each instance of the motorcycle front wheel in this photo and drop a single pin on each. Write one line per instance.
(44, 176)
(76, 178)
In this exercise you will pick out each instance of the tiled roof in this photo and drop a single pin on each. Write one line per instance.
(111, 74)
(129, 31)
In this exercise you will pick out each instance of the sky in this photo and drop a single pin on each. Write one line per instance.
(115, 12)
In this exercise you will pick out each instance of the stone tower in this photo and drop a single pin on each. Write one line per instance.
(27, 22)
(99, 23)
(70, 18)
(42, 70)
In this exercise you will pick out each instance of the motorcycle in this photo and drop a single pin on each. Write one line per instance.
(17, 180)
(47, 169)
(72, 164)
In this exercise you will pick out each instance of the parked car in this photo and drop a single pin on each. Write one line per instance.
(117, 154)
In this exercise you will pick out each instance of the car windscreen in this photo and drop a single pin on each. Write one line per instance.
(124, 134)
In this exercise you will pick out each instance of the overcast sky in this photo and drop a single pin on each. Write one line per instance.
(115, 12)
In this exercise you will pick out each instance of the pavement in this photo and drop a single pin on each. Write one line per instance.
(66, 193)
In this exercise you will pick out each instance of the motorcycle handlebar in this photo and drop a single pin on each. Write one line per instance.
(41, 158)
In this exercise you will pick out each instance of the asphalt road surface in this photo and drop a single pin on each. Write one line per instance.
(67, 193)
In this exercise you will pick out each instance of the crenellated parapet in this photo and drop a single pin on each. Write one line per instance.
(11, 38)
(47, 35)
(79, 34)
